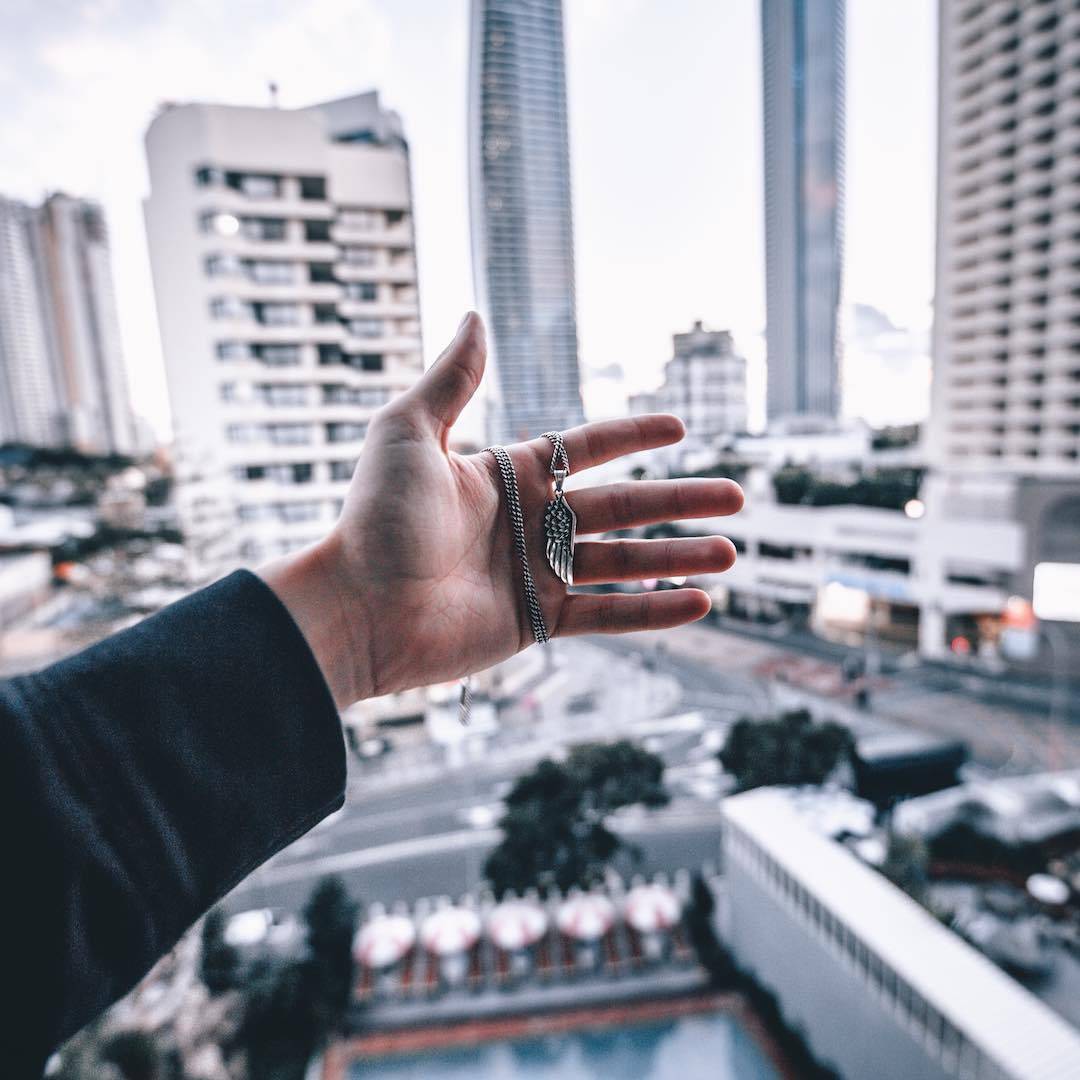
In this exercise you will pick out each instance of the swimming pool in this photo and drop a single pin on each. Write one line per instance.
(714, 1045)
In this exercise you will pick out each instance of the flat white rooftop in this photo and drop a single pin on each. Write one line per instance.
(1009, 1025)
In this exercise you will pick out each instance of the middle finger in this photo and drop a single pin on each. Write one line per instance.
(649, 502)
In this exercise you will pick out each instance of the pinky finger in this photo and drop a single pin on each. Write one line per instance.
(623, 614)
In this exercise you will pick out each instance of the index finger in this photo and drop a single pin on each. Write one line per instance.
(605, 440)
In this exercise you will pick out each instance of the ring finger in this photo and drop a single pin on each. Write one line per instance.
(600, 561)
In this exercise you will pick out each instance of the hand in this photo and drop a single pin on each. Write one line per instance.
(417, 583)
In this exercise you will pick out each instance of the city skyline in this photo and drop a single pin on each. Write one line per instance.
(691, 255)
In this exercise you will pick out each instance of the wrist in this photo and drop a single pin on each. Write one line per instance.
(312, 586)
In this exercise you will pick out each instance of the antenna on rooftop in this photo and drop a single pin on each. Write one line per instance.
(273, 94)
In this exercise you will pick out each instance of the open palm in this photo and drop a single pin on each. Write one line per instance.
(422, 559)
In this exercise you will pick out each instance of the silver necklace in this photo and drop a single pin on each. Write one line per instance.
(532, 601)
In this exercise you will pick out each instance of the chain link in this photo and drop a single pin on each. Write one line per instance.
(559, 456)
(517, 520)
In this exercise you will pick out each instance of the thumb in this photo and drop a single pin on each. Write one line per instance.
(448, 385)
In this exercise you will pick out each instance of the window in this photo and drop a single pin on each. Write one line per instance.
(249, 473)
(359, 219)
(312, 187)
(329, 354)
(336, 433)
(320, 273)
(317, 232)
(325, 313)
(231, 350)
(255, 185)
(271, 272)
(227, 391)
(298, 511)
(261, 229)
(342, 470)
(243, 433)
(359, 256)
(300, 473)
(222, 265)
(371, 361)
(229, 307)
(365, 328)
(395, 217)
(278, 355)
(207, 176)
(282, 393)
(289, 434)
(278, 314)
(371, 396)
(362, 290)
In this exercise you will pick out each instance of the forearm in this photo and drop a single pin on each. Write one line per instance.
(152, 772)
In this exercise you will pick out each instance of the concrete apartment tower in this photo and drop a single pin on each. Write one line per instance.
(522, 224)
(83, 325)
(31, 410)
(705, 384)
(1004, 430)
(62, 376)
(281, 242)
(803, 96)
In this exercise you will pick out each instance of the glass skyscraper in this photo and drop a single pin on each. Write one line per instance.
(803, 95)
(522, 225)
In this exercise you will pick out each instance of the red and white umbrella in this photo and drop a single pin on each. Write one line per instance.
(450, 930)
(649, 908)
(515, 924)
(384, 940)
(586, 917)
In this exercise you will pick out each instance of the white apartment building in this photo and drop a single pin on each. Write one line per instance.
(1004, 431)
(874, 983)
(284, 266)
(1006, 391)
(704, 384)
(919, 578)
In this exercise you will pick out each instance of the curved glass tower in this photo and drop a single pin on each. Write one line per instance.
(522, 225)
(803, 77)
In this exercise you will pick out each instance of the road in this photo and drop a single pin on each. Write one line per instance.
(420, 822)
(410, 830)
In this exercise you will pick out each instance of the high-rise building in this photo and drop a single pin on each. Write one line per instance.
(803, 96)
(83, 327)
(704, 384)
(1006, 382)
(282, 249)
(62, 368)
(522, 227)
(31, 410)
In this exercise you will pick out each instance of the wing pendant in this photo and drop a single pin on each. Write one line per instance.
(560, 529)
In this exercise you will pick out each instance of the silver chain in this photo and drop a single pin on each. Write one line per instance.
(559, 458)
(517, 521)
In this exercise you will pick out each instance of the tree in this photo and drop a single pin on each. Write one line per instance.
(330, 915)
(219, 960)
(790, 749)
(554, 826)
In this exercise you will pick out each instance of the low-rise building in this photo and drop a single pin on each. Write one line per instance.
(843, 951)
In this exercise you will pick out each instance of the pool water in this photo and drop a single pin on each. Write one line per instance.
(714, 1046)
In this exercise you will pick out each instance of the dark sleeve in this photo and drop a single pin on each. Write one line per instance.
(141, 779)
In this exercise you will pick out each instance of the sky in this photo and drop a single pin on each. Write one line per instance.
(665, 122)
